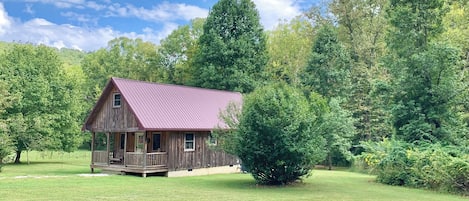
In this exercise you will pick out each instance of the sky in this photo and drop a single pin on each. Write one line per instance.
(89, 25)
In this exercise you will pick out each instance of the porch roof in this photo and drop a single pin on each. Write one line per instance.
(169, 107)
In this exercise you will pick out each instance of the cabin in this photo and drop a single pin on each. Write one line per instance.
(151, 128)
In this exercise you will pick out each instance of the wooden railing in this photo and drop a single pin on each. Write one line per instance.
(157, 159)
(133, 159)
(153, 159)
(100, 157)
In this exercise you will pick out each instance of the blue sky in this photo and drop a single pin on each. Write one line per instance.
(89, 25)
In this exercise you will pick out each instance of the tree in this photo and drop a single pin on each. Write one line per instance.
(6, 100)
(45, 115)
(176, 52)
(289, 46)
(361, 28)
(123, 57)
(337, 127)
(232, 53)
(275, 139)
(329, 65)
(425, 73)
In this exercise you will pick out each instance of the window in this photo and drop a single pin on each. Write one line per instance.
(116, 100)
(156, 141)
(122, 140)
(212, 140)
(189, 142)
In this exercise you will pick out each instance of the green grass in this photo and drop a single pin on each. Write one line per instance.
(55, 177)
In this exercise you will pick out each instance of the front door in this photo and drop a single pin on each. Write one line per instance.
(139, 142)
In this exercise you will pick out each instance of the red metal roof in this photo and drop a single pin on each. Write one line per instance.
(173, 107)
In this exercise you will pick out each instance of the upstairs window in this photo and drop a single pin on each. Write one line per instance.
(189, 142)
(116, 100)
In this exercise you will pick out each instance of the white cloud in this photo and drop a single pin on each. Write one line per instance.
(95, 6)
(271, 11)
(42, 31)
(83, 18)
(161, 13)
(81, 4)
(5, 21)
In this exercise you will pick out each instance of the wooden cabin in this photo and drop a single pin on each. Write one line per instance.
(143, 127)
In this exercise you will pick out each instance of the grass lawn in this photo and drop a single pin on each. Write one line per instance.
(55, 176)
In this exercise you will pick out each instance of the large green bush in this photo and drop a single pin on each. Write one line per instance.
(276, 140)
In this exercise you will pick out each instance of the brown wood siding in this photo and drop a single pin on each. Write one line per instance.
(114, 119)
(201, 157)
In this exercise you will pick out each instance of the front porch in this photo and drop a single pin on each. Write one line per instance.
(129, 152)
(131, 162)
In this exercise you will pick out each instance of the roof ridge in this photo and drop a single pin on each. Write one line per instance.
(176, 85)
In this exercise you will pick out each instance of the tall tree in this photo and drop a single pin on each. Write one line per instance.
(176, 52)
(289, 46)
(328, 69)
(361, 28)
(45, 115)
(425, 72)
(232, 53)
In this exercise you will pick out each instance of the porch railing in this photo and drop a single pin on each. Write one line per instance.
(153, 159)
(100, 157)
(157, 159)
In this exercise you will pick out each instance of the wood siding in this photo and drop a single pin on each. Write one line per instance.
(112, 119)
(201, 157)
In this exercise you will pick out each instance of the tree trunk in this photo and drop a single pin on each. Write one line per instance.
(18, 156)
(329, 158)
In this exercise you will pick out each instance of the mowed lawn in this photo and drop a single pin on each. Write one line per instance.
(55, 176)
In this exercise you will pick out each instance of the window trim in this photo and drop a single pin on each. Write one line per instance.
(185, 142)
(114, 100)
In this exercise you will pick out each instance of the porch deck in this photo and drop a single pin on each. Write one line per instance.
(131, 162)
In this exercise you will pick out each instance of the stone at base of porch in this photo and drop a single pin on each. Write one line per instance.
(206, 171)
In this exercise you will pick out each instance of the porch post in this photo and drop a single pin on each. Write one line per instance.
(145, 151)
(92, 151)
(125, 149)
(107, 148)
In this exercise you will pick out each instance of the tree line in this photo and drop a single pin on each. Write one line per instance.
(370, 71)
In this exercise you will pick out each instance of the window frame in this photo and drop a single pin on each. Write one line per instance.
(186, 141)
(114, 105)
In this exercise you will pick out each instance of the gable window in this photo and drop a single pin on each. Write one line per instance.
(189, 142)
(116, 100)
(156, 141)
